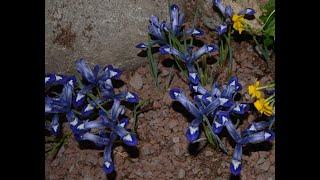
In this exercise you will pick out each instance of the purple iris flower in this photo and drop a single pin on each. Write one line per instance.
(59, 105)
(188, 57)
(115, 124)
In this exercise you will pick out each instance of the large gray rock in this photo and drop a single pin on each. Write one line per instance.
(103, 32)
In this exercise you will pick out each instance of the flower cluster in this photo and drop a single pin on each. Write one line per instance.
(160, 31)
(237, 21)
(264, 106)
(215, 108)
(80, 99)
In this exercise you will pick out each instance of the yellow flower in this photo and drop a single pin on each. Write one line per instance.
(238, 23)
(263, 107)
(253, 90)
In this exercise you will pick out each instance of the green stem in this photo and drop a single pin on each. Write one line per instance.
(216, 138)
(267, 86)
(269, 98)
(268, 18)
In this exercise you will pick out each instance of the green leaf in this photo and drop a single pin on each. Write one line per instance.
(267, 10)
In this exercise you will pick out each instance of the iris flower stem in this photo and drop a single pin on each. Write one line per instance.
(216, 138)
(95, 100)
(76, 112)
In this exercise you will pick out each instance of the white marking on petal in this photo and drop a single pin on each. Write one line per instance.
(233, 83)
(195, 31)
(81, 126)
(267, 135)
(70, 82)
(109, 82)
(193, 129)
(195, 88)
(167, 49)
(200, 96)
(107, 164)
(113, 73)
(235, 164)
(88, 108)
(122, 124)
(79, 96)
(237, 108)
(176, 94)
(224, 119)
(55, 127)
(223, 101)
(46, 79)
(129, 95)
(210, 48)
(209, 98)
(58, 77)
(47, 108)
(193, 75)
(217, 124)
(74, 122)
(252, 128)
(128, 138)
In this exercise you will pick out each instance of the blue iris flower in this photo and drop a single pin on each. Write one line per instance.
(158, 30)
(59, 105)
(112, 122)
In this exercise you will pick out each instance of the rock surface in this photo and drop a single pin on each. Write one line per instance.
(103, 32)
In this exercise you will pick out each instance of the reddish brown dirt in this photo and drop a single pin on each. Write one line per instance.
(163, 149)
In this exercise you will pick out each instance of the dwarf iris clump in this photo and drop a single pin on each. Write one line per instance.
(213, 110)
(173, 34)
(84, 102)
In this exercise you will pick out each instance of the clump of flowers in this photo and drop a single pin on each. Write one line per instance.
(216, 108)
(84, 103)
(162, 32)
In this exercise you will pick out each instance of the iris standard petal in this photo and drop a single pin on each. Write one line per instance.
(85, 70)
(219, 5)
(228, 11)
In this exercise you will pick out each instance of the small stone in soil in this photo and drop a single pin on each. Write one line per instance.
(208, 153)
(136, 81)
(261, 160)
(175, 139)
(176, 150)
(265, 166)
(181, 174)
(164, 73)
